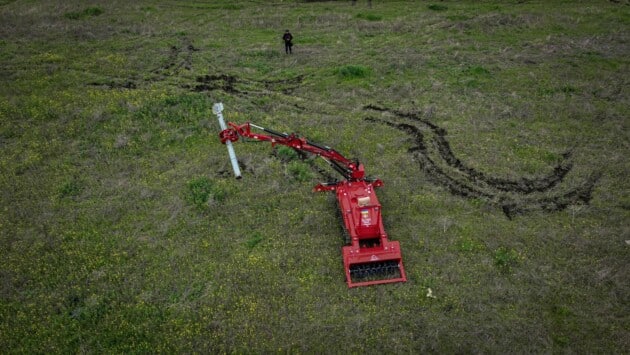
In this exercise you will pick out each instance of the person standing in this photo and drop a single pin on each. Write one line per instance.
(287, 38)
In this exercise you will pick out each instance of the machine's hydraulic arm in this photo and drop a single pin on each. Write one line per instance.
(351, 170)
(369, 258)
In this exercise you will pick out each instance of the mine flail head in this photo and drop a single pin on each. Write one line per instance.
(376, 272)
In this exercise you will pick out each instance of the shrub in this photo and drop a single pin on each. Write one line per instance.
(477, 71)
(505, 259)
(286, 154)
(254, 240)
(89, 12)
(370, 17)
(93, 11)
(70, 188)
(202, 189)
(299, 171)
(436, 7)
(353, 71)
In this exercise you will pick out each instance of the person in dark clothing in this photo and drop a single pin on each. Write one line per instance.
(287, 38)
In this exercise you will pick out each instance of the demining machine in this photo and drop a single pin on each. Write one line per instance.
(369, 258)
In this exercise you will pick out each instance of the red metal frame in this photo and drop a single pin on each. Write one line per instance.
(370, 251)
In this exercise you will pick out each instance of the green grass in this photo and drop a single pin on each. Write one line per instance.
(353, 71)
(202, 191)
(506, 259)
(122, 229)
(437, 7)
(369, 16)
(88, 12)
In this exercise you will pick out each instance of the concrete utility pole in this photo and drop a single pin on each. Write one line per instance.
(217, 109)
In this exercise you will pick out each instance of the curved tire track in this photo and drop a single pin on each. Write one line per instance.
(522, 185)
(179, 57)
(234, 85)
(514, 197)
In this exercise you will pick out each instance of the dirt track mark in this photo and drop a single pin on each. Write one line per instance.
(514, 197)
(114, 84)
(429, 166)
(523, 185)
(216, 82)
(234, 85)
(179, 57)
(286, 86)
(578, 195)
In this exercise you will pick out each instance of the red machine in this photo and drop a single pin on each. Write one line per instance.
(370, 258)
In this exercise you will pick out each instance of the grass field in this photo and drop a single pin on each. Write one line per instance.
(500, 129)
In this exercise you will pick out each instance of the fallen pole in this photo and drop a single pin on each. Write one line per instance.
(217, 110)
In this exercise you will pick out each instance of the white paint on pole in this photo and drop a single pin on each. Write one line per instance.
(217, 109)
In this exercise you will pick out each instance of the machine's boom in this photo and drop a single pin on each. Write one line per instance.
(351, 170)
(370, 257)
